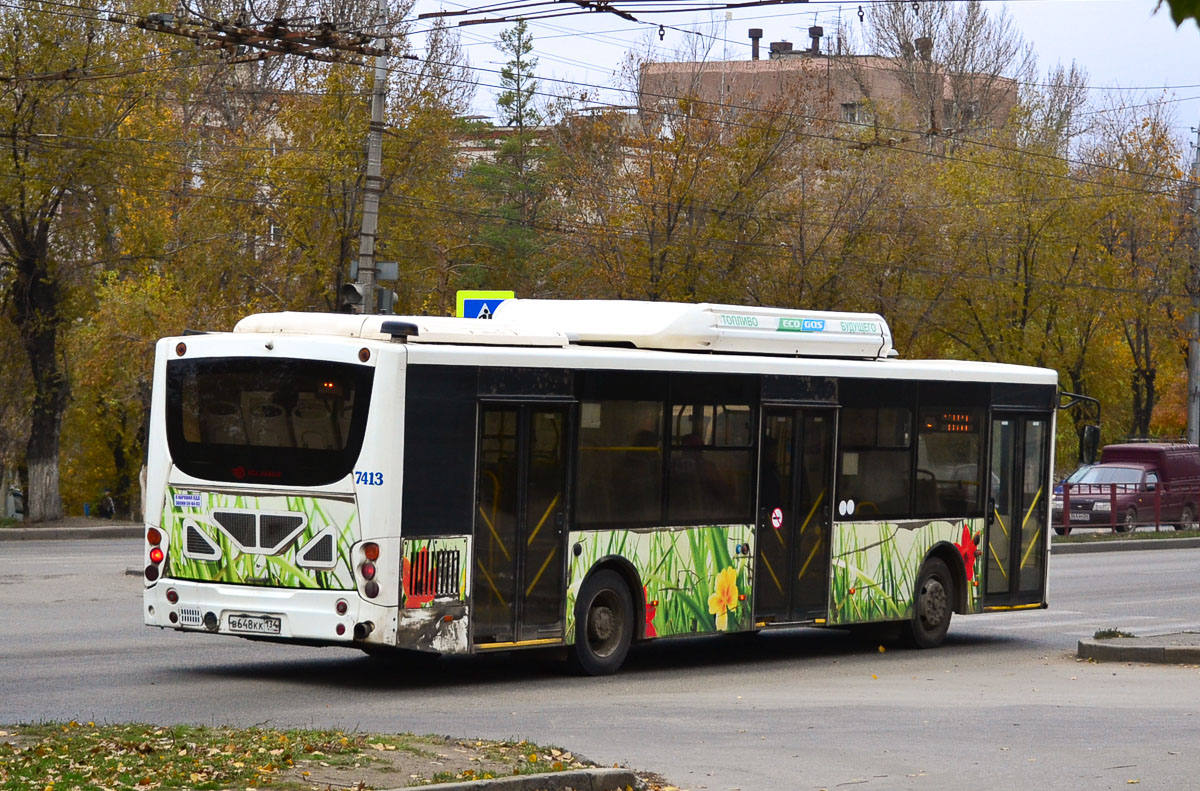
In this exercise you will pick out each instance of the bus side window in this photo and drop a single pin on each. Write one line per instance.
(949, 459)
(711, 464)
(619, 474)
(875, 461)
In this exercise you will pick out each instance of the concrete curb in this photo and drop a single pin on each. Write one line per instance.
(1182, 648)
(71, 533)
(1124, 546)
(574, 780)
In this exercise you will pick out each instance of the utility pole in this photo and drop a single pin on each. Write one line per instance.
(373, 184)
(1193, 287)
(242, 42)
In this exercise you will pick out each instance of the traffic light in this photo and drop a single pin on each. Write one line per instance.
(353, 297)
(385, 300)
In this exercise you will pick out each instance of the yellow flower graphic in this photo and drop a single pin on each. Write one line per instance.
(725, 597)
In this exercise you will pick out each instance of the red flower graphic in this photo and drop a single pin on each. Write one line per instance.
(969, 551)
(651, 611)
(417, 588)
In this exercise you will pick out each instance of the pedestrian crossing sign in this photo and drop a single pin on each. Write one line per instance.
(480, 304)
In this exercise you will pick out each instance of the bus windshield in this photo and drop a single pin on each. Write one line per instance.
(228, 419)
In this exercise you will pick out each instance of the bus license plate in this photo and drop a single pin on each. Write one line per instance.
(254, 624)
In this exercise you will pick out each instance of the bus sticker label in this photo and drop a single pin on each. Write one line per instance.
(801, 325)
(187, 500)
(366, 478)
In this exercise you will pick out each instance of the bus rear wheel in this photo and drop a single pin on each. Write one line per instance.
(933, 605)
(603, 624)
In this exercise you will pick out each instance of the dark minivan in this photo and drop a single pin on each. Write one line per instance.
(1134, 484)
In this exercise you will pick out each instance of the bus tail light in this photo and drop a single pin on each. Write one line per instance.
(367, 570)
(154, 538)
(172, 596)
(341, 606)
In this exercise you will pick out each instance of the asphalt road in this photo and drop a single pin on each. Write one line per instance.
(1004, 704)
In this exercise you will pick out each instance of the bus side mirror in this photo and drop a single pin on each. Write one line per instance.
(1089, 444)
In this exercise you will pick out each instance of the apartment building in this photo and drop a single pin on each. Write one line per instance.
(911, 91)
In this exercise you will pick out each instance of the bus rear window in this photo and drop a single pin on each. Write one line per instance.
(256, 420)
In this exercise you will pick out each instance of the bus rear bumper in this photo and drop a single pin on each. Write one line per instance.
(310, 616)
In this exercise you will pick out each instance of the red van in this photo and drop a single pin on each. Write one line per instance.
(1134, 484)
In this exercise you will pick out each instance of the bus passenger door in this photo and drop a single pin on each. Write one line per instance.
(520, 524)
(1017, 511)
(791, 576)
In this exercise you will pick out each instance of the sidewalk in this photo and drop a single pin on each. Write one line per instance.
(1179, 648)
(73, 528)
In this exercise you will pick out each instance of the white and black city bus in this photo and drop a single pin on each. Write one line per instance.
(586, 474)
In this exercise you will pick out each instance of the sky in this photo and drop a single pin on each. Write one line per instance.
(1126, 48)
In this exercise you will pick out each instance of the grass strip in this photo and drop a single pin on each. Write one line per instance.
(78, 756)
(1092, 537)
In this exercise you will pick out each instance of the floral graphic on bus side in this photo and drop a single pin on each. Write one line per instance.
(875, 565)
(415, 593)
(651, 611)
(434, 569)
(724, 598)
(685, 573)
(969, 549)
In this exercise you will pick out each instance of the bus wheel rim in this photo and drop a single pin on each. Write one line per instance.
(603, 626)
(933, 603)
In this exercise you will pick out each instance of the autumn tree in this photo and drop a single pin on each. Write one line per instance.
(241, 192)
(57, 173)
(675, 202)
(510, 178)
(1136, 159)
(956, 61)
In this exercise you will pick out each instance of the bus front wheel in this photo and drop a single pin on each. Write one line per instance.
(933, 605)
(603, 624)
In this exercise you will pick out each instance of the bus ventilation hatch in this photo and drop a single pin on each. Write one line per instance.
(240, 525)
(199, 546)
(274, 529)
(320, 551)
(261, 533)
(433, 573)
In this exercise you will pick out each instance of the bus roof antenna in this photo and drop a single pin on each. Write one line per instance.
(399, 330)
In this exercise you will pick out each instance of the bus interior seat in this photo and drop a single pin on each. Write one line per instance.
(342, 415)
(687, 499)
(222, 423)
(929, 499)
(312, 420)
(878, 483)
(266, 421)
(596, 499)
(637, 481)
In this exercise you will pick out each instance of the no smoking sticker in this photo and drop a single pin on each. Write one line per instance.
(777, 518)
